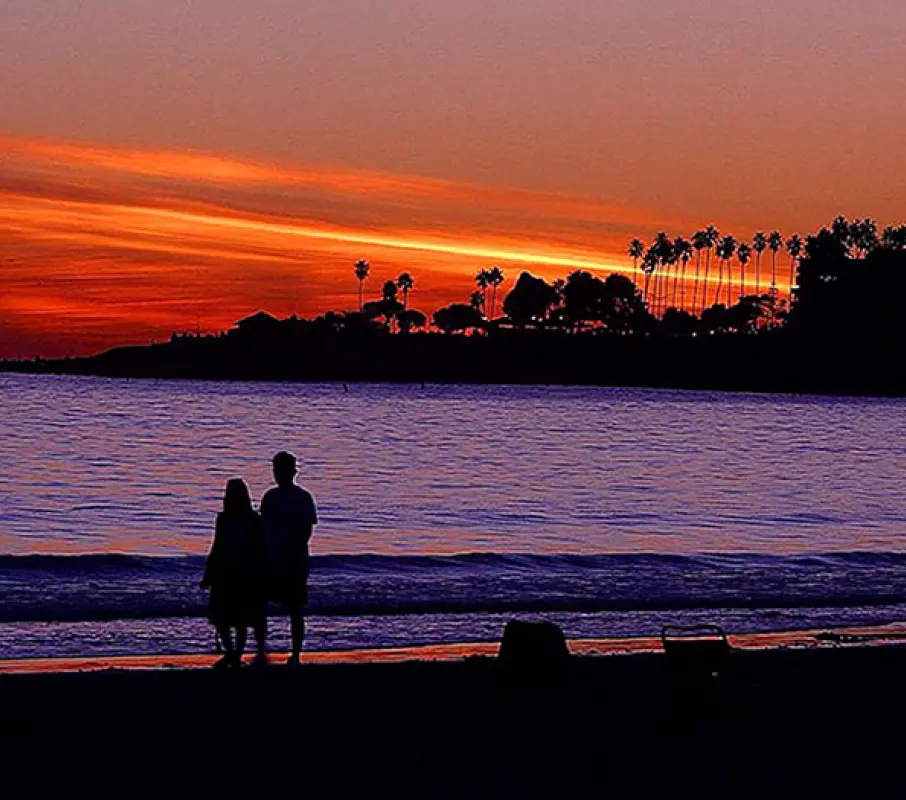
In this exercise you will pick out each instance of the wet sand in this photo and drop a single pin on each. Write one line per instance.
(879, 635)
(782, 722)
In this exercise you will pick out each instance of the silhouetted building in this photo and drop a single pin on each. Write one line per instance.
(258, 324)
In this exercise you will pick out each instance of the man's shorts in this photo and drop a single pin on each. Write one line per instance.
(287, 586)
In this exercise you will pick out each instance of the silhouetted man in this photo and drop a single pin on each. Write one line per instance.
(288, 516)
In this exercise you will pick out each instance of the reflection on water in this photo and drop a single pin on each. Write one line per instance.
(89, 465)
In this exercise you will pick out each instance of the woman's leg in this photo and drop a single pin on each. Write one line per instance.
(241, 638)
(226, 636)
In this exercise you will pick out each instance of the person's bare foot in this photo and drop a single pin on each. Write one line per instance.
(293, 661)
(260, 660)
(224, 663)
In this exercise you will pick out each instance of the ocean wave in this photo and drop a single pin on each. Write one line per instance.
(47, 588)
(533, 561)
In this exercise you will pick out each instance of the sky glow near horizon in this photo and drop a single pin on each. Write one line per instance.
(162, 163)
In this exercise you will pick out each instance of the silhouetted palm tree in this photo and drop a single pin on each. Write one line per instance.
(636, 251)
(682, 250)
(712, 235)
(842, 231)
(759, 245)
(664, 256)
(495, 278)
(725, 252)
(362, 268)
(482, 282)
(775, 242)
(405, 283)
(699, 242)
(743, 254)
(794, 246)
(476, 300)
(389, 304)
(649, 266)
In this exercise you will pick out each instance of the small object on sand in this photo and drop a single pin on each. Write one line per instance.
(695, 649)
(533, 651)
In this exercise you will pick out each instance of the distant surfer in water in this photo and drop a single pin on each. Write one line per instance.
(288, 516)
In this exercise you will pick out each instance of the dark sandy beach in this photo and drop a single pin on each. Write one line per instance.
(783, 722)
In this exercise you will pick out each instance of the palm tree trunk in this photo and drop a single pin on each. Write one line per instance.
(683, 286)
(729, 282)
(742, 280)
(698, 268)
(648, 292)
(792, 277)
(707, 277)
(361, 294)
(661, 297)
(659, 279)
(676, 274)
(773, 270)
(758, 273)
(720, 280)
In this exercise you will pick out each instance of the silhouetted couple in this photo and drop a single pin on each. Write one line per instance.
(257, 559)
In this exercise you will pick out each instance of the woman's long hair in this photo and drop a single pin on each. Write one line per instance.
(237, 501)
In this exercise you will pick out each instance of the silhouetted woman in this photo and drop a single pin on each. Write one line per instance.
(233, 572)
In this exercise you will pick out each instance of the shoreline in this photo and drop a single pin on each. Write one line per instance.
(767, 362)
(709, 386)
(812, 639)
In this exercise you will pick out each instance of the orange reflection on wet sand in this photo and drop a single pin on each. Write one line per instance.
(842, 637)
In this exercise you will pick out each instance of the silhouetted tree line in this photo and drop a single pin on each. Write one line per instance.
(691, 286)
(837, 330)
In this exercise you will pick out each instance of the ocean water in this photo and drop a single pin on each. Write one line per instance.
(447, 510)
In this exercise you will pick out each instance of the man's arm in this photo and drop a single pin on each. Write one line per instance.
(309, 519)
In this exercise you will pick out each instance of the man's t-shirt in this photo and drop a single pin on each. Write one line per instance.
(287, 513)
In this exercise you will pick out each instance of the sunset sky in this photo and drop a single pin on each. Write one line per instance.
(201, 159)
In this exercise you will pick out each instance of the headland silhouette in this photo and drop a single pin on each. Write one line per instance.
(710, 313)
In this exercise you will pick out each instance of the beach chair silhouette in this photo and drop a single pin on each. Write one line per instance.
(695, 651)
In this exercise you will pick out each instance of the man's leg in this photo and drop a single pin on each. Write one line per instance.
(297, 630)
(260, 629)
(241, 638)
